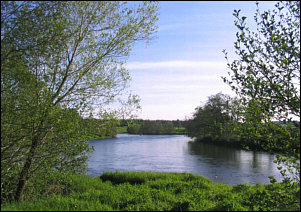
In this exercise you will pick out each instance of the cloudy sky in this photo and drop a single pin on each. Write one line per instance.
(183, 66)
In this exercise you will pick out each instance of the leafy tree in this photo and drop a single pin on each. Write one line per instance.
(151, 127)
(269, 69)
(179, 125)
(60, 61)
(133, 128)
(267, 78)
(168, 127)
(210, 120)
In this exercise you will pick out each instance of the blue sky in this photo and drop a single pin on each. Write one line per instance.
(183, 66)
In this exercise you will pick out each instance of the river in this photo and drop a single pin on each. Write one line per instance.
(179, 153)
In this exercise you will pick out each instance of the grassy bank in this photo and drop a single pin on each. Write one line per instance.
(133, 191)
(122, 129)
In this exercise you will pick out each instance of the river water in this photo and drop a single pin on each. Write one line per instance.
(179, 153)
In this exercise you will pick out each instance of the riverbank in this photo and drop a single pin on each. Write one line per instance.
(133, 191)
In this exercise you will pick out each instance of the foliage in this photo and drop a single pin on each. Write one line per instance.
(156, 127)
(267, 79)
(106, 127)
(122, 129)
(151, 192)
(133, 128)
(211, 121)
(269, 69)
(60, 61)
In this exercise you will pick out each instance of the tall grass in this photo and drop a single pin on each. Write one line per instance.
(134, 191)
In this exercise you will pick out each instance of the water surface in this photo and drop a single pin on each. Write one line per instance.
(178, 153)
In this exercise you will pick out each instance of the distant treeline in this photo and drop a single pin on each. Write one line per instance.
(99, 128)
(157, 127)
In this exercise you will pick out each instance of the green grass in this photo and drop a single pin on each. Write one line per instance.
(180, 131)
(134, 191)
(122, 129)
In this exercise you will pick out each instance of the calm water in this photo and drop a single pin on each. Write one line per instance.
(178, 153)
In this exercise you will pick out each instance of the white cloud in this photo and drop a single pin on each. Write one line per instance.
(167, 111)
(178, 64)
(170, 26)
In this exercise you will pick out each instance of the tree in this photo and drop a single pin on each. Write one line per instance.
(133, 128)
(59, 61)
(267, 78)
(151, 128)
(179, 125)
(209, 120)
(269, 68)
(168, 127)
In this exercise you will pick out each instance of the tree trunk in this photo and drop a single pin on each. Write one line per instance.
(24, 176)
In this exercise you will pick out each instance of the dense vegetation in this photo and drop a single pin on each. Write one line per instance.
(145, 191)
(156, 127)
(62, 64)
(213, 120)
(219, 121)
(108, 128)
(100, 128)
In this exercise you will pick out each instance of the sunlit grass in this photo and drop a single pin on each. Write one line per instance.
(143, 191)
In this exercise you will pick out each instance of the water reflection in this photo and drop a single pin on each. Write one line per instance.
(177, 153)
(232, 166)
